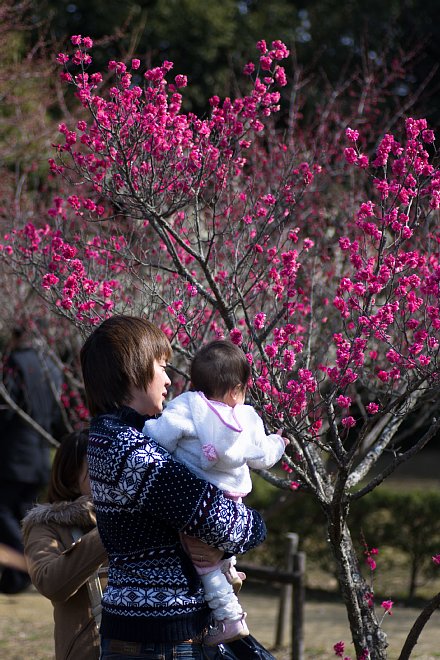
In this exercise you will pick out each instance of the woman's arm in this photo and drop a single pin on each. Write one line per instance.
(56, 572)
(136, 474)
(197, 508)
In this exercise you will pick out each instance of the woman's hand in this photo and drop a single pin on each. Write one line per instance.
(202, 555)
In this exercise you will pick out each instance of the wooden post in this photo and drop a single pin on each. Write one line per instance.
(292, 598)
(286, 592)
(298, 600)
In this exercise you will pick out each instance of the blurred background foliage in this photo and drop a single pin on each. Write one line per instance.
(210, 40)
(400, 519)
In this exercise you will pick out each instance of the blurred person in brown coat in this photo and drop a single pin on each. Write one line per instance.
(64, 552)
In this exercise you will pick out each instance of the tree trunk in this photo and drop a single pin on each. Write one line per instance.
(369, 640)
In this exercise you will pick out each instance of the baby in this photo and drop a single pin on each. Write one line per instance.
(219, 438)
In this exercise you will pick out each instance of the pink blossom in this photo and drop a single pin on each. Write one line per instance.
(271, 350)
(343, 401)
(135, 64)
(289, 359)
(350, 155)
(191, 290)
(265, 62)
(383, 376)
(259, 320)
(61, 58)
(348, 422)
(279, 50)
(66, 303)
(369, 558)
(351, 134)
(436, 560)
(280, 76)
(249, 68)
(387, 606)
(339, 649)
(372, 408)
(181, 81)
(236, 336)
(371, 563)
(428, 136)
(49, 280)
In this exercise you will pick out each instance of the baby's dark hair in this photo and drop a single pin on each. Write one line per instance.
(218, 367)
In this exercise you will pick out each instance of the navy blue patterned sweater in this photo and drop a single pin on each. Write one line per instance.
(143, 499)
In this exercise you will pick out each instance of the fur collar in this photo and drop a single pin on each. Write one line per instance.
(79, 513)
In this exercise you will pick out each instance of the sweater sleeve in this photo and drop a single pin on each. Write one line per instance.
(138, 479)
(56, 572)
(196, 507)
(225, 524)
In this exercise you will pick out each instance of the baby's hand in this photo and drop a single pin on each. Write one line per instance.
(286, 441)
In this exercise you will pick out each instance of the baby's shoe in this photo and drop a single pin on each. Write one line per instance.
(233, 576)
(226, 631)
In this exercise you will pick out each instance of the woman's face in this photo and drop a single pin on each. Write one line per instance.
(84, 480)
(149, 402)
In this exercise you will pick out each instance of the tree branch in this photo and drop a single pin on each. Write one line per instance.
(418, 626)
(25, 417)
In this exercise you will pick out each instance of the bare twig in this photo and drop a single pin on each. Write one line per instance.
(25, 417)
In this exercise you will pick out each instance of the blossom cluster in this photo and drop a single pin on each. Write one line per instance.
(202, 221)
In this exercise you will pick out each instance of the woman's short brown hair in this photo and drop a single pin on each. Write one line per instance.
(120, 355)
(66, 467)
(218, 367)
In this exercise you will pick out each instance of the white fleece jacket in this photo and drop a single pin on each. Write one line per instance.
(217, 442)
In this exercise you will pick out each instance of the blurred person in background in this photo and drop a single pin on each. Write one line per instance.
(33, 382)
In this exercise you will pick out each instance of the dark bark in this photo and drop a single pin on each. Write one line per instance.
(365, 629)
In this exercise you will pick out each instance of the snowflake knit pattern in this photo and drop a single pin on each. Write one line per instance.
(143, 499)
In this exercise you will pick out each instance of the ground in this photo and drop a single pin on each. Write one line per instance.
(26, 626)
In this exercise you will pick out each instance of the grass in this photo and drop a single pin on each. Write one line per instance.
(26, 625)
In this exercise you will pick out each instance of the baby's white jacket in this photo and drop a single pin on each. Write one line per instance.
(217, 442)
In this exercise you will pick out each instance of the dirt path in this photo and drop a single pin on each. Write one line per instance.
(26, 627)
